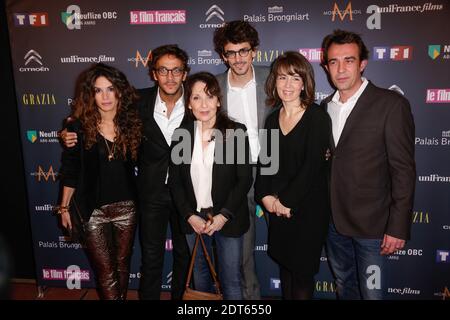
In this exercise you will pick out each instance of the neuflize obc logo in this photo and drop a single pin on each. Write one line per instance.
(74, 19)
(71, 17)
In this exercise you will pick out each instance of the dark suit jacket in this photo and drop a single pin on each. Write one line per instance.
(230, 185)
(80, 170)
(154, 151)
(373, 168)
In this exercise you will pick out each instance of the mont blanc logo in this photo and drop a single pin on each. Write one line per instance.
(33, 62)
(214, 11)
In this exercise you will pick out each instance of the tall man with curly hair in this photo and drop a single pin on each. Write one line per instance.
(244, 98)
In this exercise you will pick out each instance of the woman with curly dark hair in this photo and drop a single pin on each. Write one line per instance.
(97, 174)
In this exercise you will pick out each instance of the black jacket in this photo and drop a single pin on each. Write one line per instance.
(230, 185)
(80, 170)
(154, 151)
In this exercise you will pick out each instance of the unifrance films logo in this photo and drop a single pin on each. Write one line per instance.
(158, 17)
(374, 20)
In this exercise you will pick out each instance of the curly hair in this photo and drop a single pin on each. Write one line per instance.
(237, 31)
(126, 121)
(293, 63)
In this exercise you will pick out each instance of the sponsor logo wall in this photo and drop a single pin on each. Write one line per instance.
(409, 52)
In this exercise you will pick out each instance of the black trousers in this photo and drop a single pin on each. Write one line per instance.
(155, 216)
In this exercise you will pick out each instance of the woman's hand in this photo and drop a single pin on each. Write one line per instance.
(69, 139)
(268, 202)
(65, 219)
(281, 210)
(215, 224)
(197, 223)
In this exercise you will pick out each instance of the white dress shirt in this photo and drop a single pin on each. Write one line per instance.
(167, 125)
(242, 107)
(201, 169)
(339, 112)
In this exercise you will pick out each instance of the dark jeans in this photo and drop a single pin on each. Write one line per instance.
(229, 256)
(155, 216)
(359, 268)
(250, 282)
(109, 240)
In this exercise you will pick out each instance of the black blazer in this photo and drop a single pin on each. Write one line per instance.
(80, 170)
(230, 185)
(154, 152)
(373, 169)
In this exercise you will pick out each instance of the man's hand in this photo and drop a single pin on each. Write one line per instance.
(69, 139)
(391, 244)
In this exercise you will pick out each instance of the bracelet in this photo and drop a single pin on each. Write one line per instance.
(60, 209)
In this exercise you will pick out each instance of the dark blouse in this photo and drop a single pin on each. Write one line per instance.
(113, 178)
(301, 184)
(96, 180)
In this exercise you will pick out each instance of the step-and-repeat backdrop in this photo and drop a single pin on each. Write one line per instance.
(409, 44)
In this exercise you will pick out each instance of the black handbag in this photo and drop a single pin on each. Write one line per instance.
(78, 231)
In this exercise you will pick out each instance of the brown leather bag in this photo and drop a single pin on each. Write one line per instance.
(191, 294)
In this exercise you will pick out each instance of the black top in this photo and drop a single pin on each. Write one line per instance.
(301, 183)
(114, 183)
(95, 182)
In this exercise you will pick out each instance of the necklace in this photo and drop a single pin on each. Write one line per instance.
(110, 150)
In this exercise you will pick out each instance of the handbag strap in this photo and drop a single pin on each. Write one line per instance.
(208, 259)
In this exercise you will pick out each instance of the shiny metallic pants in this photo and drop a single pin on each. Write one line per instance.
(109, 242)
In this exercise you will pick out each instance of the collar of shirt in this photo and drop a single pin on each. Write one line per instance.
(251, 82)
(161, 108)
(354, 97)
